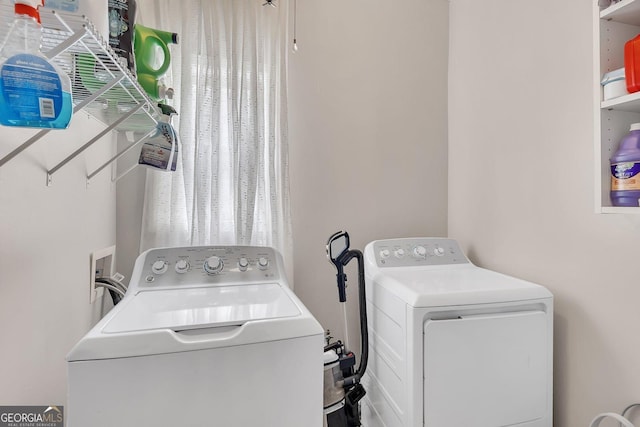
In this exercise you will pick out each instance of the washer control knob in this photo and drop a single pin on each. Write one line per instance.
(160, 267)
(438, 251)
(384, 254)
(399, 253)
(263, 263)
(243, 264)
(213, 265)
(419, 252)
(182, 266)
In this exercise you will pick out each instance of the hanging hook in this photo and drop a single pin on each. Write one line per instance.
(269, 3)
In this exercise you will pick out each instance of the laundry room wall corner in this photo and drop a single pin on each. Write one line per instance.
(368, 132)
(130, 202)
(521, 188)
(48, 234)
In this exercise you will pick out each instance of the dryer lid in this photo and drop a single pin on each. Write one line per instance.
(196, 308)
(457, 285)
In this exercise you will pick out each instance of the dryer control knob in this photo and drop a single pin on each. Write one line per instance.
(243, 264)
(213, 265)
(263, 263)
(384, 254)
(399, 253)
(160, 267)
(438, 251)
(419, 252)
(182, 266)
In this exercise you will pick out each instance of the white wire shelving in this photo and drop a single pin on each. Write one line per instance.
(102, 85)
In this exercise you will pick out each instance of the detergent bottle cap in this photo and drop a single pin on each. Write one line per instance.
(28, 7)
(167, 112)
(634, 126)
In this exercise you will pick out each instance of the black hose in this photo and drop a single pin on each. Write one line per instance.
(115, 288)
(333, 346)
(364, 331)
(362, 302)
(114, 296)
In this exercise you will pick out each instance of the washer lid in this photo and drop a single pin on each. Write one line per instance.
(196, 308)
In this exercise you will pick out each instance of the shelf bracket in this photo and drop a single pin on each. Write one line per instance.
(91, 141)
(120, 154)
(43, 132)
(24, 146)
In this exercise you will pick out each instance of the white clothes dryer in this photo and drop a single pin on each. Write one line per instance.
(452, 344)
(205, 336)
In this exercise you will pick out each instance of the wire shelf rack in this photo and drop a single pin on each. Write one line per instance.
(102, 85)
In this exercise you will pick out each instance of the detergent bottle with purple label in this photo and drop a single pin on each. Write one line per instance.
(625, 170)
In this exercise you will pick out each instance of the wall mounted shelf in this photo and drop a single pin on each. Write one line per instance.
(101, 85)
(613, 27)
(625, 12)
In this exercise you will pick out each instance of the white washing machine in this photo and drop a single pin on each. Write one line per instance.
(205, 336)
(452, 344)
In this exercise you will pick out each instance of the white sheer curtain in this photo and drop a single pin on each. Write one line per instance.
(229, 74)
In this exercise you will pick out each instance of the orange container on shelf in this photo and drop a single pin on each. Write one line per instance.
(632, 64)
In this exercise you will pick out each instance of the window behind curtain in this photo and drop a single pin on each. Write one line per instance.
(229, 74)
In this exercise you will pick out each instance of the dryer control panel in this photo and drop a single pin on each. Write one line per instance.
(410, 252)
(206, 266)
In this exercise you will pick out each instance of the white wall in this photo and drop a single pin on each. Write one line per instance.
(130, 198)
(521, 191)
(367, 120)
(47, 234)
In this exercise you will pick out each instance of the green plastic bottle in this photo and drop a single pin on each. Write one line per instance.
(153, 58)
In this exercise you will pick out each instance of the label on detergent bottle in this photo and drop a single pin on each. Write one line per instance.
(121, 22)
(158, 150)
(624, 176)
(65, 5)
(155, 155)
(31, 89)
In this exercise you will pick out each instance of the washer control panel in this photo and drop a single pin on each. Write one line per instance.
(417, 252)
(205, 265)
